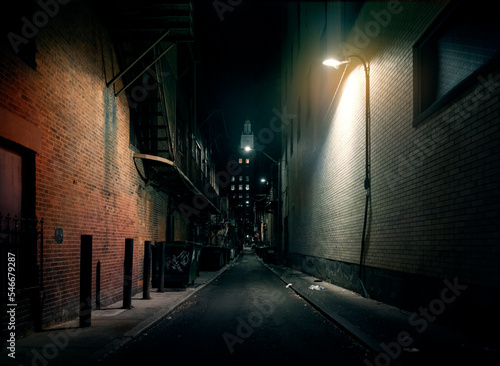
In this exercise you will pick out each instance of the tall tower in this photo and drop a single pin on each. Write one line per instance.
(247, 135)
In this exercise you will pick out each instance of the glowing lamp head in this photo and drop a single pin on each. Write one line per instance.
(335, 63)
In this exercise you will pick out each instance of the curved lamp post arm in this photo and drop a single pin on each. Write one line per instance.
(347, 61)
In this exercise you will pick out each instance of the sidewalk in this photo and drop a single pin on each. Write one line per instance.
(111, 328)
(386, 330)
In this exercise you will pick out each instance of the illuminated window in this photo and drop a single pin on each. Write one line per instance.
(232, 187)
(240, 187)
(247, 178)
(247, 187)
(240, 178)
(240, 160)
(233, 178)
(247, 161)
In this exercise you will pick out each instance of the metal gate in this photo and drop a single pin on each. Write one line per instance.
(21, 274)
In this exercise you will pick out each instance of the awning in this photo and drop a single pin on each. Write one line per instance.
(164, 173)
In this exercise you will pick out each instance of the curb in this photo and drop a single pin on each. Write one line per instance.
(101, 355)
(356, 333)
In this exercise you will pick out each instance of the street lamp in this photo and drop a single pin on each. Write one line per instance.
(278, 213)
(336, 64)
(248, 148)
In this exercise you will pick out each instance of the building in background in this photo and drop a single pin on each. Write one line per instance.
(241, 188)
(425, 223)
(98, 136)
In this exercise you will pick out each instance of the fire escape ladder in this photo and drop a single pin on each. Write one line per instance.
(145, 34)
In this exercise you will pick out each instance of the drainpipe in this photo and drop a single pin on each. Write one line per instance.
(367, 182)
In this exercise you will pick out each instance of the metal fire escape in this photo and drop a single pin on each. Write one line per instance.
(150, 38)
(144, 32)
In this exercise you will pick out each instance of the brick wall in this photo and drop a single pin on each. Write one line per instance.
(86, 182)
(435, 185)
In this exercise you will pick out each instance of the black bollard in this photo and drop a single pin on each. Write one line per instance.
(161, 275)
(85, 281)
(98, 286)
(146, 284)
(127, 273)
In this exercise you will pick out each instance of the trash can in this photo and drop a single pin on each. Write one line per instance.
(212, 258)
(260, 251)
(181, 262)
(269, 254)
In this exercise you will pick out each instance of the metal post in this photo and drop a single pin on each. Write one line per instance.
(127, 274)
(161, 275)
(98, 286)
(170, 228)
(85, 281)
(279, 220)
(41, 294)
(367, 182)
(147, 271)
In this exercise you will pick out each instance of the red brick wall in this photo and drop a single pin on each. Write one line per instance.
(86, 182)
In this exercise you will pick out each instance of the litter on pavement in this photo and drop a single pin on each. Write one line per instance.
(316, 287)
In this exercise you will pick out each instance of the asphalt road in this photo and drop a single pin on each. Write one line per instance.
(245, 317)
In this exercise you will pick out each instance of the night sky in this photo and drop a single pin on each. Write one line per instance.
(240, 49)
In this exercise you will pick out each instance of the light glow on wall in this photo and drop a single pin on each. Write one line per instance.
(343, 122)
(338, 188)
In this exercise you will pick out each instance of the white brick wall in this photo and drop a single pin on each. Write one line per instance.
(434, 186)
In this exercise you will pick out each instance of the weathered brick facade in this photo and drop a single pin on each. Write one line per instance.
(433, 211)
(86, 182)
